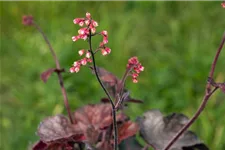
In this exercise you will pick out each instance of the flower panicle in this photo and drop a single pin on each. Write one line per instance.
(135, 67)
(88, 26)
(223, 4)
(82, 62)
(27, 20)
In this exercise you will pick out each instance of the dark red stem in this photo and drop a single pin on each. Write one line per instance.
(106, 92)
(66, 102)
(207, 95)
(214, 62)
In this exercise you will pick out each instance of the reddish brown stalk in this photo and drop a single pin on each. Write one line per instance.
(119, 91)
(66, 102)
(214, 62)
(208, 93)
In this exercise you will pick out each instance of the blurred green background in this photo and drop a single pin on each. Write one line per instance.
(175, 41)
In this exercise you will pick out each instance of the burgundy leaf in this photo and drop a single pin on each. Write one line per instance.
(157, 130)
(97, 115)
(58, 128)
(109, 80)
(60, 146)
(92, 135)
(126, 130)
(40, 145)
(45, 75)
(106, 76)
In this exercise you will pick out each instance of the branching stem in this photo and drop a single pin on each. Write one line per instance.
(208, 93)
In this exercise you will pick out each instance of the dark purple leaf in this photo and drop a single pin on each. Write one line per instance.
(196, 147)
(126, 130)
(97, 115)
(45, 75)
(109, 80)
(92, 134)
(158, 130)
(40, 146)
(58, 128)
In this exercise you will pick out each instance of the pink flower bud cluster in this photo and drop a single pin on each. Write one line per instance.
(90, 24)
(105, 50)
(223, 4)
(83, 33)
(27, 20)
(136, 68)
(81, 62)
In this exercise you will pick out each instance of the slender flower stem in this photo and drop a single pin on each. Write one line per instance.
(215, 61)
(107, 93)
(66, 102)
(119, 98)
(200, 109)
(206, 97)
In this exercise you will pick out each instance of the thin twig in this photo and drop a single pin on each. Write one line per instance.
(207, 95)
(200, 109)
(215, 61)
(119, 97)
(105, 90)
(66, 102)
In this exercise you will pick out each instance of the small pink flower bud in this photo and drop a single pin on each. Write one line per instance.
(81, 52)
(77, 69)
(82, 31)
(89, 60)
(134, 75)
(88, 15)
(75, 38)
(128, 65)
(87, 22)
(76, 63)
(105, 40)
(72, 70)
(83, 61)
(133, 61)
(104, 52)
(93, 30)
(223, 4)
(137, 69)
(135, 80)
(27, 20)
(76, 20)
(81, 23)
(108, 50)
(104, 33)
(94, 23)
(84, 37)
(88, 55)
(141, 68)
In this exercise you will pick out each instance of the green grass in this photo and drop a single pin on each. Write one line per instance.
(175, 41)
